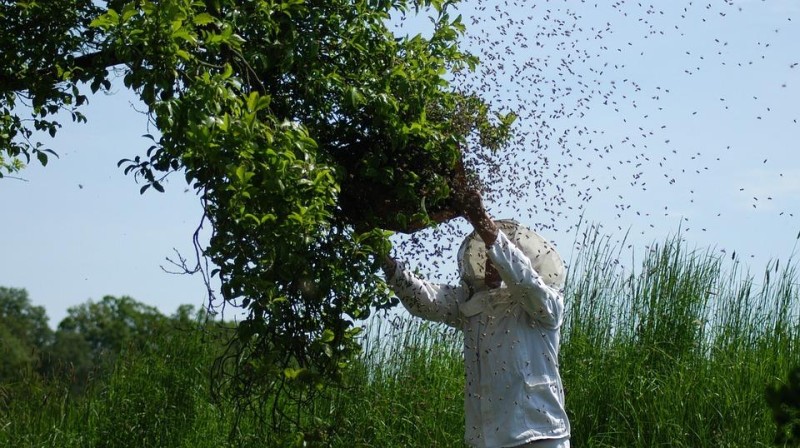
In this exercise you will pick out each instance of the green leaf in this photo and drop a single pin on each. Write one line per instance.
(184, 34)
(42, 157)
(252, 217)
(293, 373)
(203, 18)
(128, 11)
(327, 336)
(355, 97)
(227, 71)
(105, 21)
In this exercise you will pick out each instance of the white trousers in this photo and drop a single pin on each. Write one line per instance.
(546, 443)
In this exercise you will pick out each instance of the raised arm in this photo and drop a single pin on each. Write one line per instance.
(540, 301)
(483, 224)
(424, 299)
(507, 262)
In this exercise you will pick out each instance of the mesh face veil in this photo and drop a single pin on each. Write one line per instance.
(544, 258)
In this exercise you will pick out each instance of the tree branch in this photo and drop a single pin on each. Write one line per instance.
(99, 59)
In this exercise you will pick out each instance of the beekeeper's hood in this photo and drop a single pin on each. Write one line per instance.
(544, 258)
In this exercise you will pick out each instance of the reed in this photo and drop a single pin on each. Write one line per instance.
(671, 347)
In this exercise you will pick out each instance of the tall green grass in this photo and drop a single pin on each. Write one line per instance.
(678, 352)
(673, 347)
(406, 390)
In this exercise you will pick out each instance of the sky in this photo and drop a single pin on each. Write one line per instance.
(687, 120)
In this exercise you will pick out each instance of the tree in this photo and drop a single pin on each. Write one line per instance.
(308, 129)
(24, 333)
(112, 324)
(69, 359)
(93, 334)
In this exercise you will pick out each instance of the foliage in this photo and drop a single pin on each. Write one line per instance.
(22, 318)
(93, 334)
(23, 333)
(784, 400)
(113, 323)
(153, 394)
(70, 359)
(10, 166)
(39, 42)
(306, 127)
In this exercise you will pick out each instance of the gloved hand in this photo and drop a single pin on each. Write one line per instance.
(491, 276)
(476, 214)
(469, 204)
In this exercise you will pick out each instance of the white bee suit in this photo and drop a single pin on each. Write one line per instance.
(513, 390)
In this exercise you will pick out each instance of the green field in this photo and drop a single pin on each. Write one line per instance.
(677, 352)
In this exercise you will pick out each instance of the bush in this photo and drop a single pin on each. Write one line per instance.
(784, 400)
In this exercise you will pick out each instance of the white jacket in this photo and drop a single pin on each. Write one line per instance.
(513, 391)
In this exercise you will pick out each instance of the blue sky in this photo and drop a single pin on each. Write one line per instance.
(719, 141)
(78, 228)
(700, 119)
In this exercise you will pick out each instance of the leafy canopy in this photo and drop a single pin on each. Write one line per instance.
(23, 333)
(308, 128)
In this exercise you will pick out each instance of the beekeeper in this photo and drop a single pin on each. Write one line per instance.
(510, 307)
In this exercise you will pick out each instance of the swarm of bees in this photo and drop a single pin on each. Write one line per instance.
(593, 117)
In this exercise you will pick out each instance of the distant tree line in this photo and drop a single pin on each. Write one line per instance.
(85, 344)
